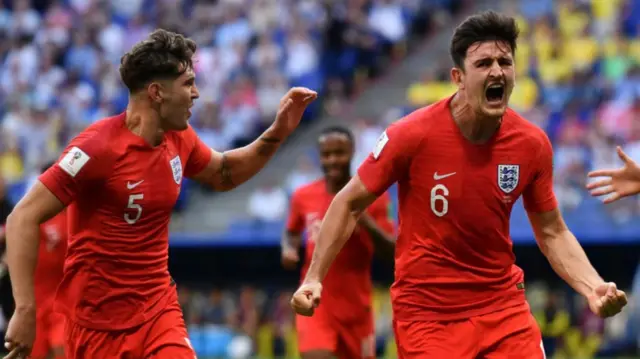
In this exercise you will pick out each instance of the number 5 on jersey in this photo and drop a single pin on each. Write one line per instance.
(132, 205)
(439, 203)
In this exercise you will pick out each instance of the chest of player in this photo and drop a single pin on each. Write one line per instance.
(145, 183)
(470, 179)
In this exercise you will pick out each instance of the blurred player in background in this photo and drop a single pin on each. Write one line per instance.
(460, 165)
(344, 325)
(121, 178)
(619, 183)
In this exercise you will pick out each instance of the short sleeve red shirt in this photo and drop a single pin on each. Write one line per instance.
(120, 193)
(454, 255)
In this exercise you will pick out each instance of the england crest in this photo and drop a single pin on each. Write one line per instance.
(176, 169)
(508, 176)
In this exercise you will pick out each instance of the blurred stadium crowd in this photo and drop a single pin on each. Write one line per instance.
(578, 65)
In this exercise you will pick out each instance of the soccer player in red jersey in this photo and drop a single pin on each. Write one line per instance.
(120, 179)
(460, 165)
(619, 183)
(344, 325)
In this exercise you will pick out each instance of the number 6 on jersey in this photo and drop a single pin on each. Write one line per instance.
(133, 205)
(439, 193)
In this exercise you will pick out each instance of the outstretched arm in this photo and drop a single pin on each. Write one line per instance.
(618, 183)
(228, 170)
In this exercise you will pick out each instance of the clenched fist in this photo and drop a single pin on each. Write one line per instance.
(307, 298)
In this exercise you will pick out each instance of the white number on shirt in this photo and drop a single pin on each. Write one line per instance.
(133, 205)
(439, 194)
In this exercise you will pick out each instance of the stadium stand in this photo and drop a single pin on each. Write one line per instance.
(578, 78)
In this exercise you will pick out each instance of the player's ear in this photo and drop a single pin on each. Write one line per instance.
(457, 76)
(155, 92)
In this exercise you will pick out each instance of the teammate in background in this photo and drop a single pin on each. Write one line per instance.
(460, 165)
(49, 341)
(120, 179)
(619, 183)
(344, 325)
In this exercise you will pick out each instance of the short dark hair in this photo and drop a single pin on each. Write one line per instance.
(485, 26)
(337, 130)
(163, 55)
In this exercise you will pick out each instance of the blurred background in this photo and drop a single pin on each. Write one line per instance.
(372, 61)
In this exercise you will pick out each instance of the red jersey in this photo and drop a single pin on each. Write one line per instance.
(454, 255)
(346, 293)
(121, 192)
(52, 251)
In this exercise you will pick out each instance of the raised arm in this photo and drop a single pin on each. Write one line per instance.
(560, 246)
(227, 170)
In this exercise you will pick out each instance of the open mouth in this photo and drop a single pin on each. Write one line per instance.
(494, 93)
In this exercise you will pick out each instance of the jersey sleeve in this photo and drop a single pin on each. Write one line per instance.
(382, 213)
(295, 220)
(199, 156)
(390, 159)
(81, 164)
(538, 196)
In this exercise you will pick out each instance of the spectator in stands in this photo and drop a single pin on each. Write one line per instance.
(554, 321)
(219, 310)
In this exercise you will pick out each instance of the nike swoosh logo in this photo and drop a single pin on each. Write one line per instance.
(439, 177)
(133, 185)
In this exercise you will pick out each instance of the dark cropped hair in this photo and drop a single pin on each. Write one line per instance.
(485, 26)
(337, 130)
(163, 55)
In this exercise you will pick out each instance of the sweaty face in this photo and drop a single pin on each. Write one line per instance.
(178, 98)
(336, 151)
(488, 77)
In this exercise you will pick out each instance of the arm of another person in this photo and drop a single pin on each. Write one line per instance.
(560, 246)
(227, 170)
(292, 235)
(388, 163)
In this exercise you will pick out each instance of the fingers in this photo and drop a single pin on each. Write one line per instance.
(302, 304)
(15, 351)
(600, 183)
(614, 197)
(286, 106)
(602, 173)
(601, 191)
(623, 156)
(612, 302)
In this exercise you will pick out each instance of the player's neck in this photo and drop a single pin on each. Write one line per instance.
(144, 122)
(334, 187)
(475, 128)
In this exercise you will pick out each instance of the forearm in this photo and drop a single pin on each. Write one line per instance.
(570, 262)
(22, 239)
(291, 241)
(337, 226)
(241, 164)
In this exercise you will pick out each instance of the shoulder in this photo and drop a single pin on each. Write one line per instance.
(527, 130)
(309, 191)
(99, 136)
(187, 136)
(415, 126)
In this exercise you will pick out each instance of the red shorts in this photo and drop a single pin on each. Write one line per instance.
(506, 334)
(49, 333)
(165, 336)
(344, 340)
